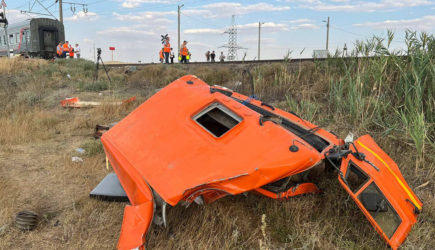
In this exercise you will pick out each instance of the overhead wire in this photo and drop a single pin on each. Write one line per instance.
(349, 32)
(18, 7)
(202, 21)
(153, 8)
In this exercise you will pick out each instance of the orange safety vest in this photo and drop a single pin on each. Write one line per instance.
(167, 47)
(71, 52)
(184, 51)
(59, 49)
(161, 54)
(65, 47)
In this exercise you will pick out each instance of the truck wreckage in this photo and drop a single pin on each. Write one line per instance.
(192, 142)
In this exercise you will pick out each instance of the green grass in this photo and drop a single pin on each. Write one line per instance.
(93, 148)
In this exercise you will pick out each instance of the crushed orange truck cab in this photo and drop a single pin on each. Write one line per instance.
(192, 142)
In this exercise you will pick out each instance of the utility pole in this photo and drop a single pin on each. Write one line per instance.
(259, 38)
(60, 12)
(327, 34)
(179, 7)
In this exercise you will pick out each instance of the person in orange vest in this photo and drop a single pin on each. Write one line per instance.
(161, 55)
(71, 52)
(184, 52)
(65, 49)
(59, 50)
(167, 49)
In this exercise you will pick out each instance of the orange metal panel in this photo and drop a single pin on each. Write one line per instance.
(175, 155)
(392, 185)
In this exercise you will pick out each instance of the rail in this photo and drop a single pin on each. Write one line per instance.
(289, 61)
(296, 60)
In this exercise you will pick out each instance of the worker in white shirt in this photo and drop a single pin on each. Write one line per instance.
(77, 51)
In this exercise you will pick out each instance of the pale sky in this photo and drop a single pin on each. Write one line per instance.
(134, 26)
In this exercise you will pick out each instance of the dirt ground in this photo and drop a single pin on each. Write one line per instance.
(37, 173)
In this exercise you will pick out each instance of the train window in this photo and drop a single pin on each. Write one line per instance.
(11, 39)
(4, 40)
(27, 35)
(17, 37)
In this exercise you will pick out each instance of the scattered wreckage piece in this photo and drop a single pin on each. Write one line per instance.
(26, 220)
(208, 142)
(74, 102)
(109, 189)
(101, 129)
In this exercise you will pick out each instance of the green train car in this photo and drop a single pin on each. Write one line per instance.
(36, 37)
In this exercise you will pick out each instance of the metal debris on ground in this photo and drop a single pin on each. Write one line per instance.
(130, 69)
(101, 129)
(74, 102)
(192, 142)
(109, 189)
(76, 159)
(26, 220)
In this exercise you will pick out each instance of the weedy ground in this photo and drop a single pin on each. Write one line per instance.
(391, 97)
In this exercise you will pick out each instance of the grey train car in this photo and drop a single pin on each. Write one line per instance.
(36, 37)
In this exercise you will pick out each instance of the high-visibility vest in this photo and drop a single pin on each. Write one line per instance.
(65, 47)
(59, 49)
(71, 52)
(161, 54)
(184, 51)
(167, 47)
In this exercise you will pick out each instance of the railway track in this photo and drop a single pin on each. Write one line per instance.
(290, 61)
(293, 62)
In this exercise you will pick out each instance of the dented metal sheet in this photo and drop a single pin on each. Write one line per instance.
(109, 189)
(194, 143)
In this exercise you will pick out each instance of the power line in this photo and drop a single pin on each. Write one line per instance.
(346, 31)
(100, 1)
(158, 7)
(19, 7)
(199, 20)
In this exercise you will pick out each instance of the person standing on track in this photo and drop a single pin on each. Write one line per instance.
(207, 56)
(59, 50)
(65, 49)
(222, 57)
(212, 56)
(71, 52)
(172, 56)
(184, 52)
(167, 49)
(161, 55)
(77, 51)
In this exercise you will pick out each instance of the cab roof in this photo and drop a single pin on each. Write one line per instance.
(171, 142)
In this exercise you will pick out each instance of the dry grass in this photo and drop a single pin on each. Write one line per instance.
(38, 139)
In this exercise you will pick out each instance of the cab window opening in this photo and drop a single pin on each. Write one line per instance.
(380, 209)
(355, 177)
(217, 119)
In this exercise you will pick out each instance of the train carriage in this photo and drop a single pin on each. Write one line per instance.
(34, 37)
